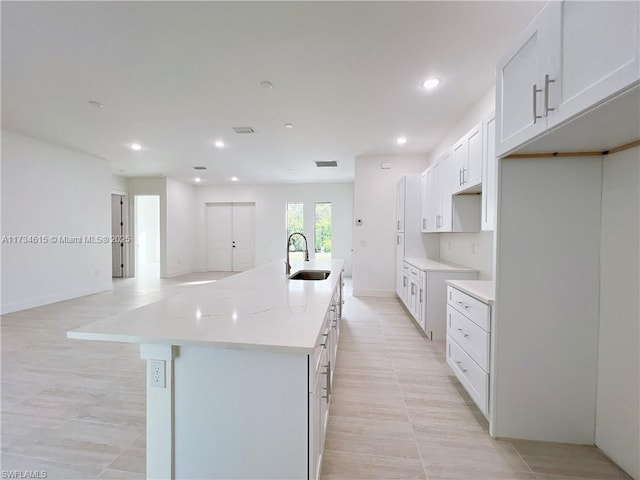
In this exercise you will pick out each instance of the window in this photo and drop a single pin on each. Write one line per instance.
(295, 223)
(323, 230)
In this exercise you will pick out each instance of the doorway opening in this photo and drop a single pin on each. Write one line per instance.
(147, 235)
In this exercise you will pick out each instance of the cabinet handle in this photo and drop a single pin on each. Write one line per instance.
(463, 305)
(424, 224)
(536, 90)
(547, 109)
(326, 338)
(465, 335)
(464, 370)
(327, 372)
(459, 176)
(420, 295)
(404, 281)
(464, 180)
(398, 224)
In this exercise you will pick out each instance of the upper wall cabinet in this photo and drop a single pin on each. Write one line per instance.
(573, 56)
(436, 196)
(489, 180)
(400, 203)
(467, 162)
(441, 210)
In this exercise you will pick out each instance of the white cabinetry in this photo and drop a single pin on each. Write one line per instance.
(469, 344)
(441, 210)
(489, 180)
(424, 294)
(409, 240)
(573, 56)
(467, 161)
(399, 259)
(321, 369)
(401, 189)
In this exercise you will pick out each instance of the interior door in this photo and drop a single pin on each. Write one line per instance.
(243, 233)
(230, 237)
(117, 232)
(219, 237)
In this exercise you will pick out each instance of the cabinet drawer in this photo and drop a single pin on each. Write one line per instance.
(473, 339)
(473, 309)
(473, 378)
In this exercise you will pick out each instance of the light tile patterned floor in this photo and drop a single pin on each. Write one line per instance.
(76, 410)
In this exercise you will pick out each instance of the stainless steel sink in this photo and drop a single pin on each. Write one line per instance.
(310, 275)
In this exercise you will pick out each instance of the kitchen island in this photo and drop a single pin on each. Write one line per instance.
(239, 373)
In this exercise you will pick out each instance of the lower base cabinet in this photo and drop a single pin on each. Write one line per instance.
(424, 293)
(469, 344)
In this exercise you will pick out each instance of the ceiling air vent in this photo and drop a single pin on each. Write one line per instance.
(243, 130)
(200, 168)
(331, 163)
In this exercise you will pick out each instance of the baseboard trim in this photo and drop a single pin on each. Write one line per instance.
(55, 298)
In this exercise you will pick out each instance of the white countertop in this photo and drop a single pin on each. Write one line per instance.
(259, 308)
(432, 266)
(482, 290)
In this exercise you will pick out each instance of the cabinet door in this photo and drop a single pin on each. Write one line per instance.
(460, 164)
(489, 181)
(400, 193)
(422, 314)
(399, 260)
(315, 436)
(424, 201)
(600, 55)
(405, 285)
(472, 175)
(431, 199)
(445, 195)
(520, 81)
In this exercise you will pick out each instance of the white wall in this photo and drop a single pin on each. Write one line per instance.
(374, 192)
(270, 203)
(150, 186)
(617, 418)
(181, 228)
(49, 190)
(119, 185)
(474, 250)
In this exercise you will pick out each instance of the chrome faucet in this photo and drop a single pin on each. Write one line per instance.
(306, 251)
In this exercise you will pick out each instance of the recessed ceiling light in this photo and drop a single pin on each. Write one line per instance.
(288, 125)
(234, 179)
(219, 143)
(136, 146)
(431, 83)
(197, 179)
(95, 103)
(401, 140)
(266, 84)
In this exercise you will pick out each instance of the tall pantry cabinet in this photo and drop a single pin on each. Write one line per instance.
(566, 113)
(409, 239)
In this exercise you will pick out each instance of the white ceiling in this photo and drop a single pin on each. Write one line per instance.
(175, 76)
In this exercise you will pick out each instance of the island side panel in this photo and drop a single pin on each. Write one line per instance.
(240, 414)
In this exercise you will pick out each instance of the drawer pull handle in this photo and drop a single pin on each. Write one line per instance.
(465, 335)
(463, 305)
(459, 363)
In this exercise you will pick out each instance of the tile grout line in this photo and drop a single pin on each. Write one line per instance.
(413, 433)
